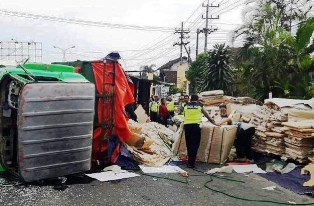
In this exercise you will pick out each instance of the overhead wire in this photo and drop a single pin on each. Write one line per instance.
(163, 40)
(196, 23)
(83, 22)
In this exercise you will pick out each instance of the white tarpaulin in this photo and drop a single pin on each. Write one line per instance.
(110, 175)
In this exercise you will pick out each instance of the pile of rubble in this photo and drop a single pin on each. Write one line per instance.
(210, 98)
(270, 133)
(156, 150)
(300, 140)
(242, 100)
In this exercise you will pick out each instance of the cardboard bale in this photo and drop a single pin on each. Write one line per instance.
(216, 143)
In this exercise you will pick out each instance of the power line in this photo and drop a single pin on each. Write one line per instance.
(156, 51)
(84, 22)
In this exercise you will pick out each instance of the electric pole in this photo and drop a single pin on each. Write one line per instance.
(206, 29)
(183, 32)
(198, 31)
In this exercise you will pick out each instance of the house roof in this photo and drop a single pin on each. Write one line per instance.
(170, 63)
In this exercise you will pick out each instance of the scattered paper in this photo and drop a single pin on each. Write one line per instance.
(110, 175)
(225, 169)
(114, 168)
(288, 168)
(247, 169)
(163, 169)
(271, 188)
(273, 167)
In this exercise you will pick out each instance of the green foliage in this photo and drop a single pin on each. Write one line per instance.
(211, 71)
(272, 58)
(175, 90)
(310, 90)
(218, 74)
(194, 74)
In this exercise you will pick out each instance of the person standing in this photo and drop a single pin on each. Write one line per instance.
(164, 114)
(153, 109)
(244, 136)
(192, 118)
(184, 102)
(170, 105)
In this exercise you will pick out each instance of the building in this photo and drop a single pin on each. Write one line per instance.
(174, 72)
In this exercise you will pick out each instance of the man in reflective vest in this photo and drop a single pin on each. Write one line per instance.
(153, 109)
(184, 102)
(170, 105)
(192, 118)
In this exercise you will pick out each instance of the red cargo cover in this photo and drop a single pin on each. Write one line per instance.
(122, 96)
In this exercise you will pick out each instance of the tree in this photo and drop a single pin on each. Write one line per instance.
(218, 74)
(175, 90)
(195, 72)
(270, 52)
(147, 69)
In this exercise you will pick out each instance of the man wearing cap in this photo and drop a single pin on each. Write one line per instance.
(192, 118)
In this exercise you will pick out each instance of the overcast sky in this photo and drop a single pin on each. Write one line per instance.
(136, 47)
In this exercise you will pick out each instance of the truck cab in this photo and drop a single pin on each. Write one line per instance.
(46, 121)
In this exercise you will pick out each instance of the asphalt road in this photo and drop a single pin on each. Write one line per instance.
(148, 190)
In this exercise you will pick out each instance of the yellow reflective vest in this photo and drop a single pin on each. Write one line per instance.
(170, 106)
(192, 113)
(154, 106)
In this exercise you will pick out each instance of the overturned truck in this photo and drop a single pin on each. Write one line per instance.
(46, 119)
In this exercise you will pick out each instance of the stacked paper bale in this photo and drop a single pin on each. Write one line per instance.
(210, 98)
(242, 100)
(215, 145)
(270, 133)
(300, 140)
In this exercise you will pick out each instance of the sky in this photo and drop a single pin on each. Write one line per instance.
(136, 47)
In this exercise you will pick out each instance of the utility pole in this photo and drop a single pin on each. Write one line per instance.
(198, 31)
(182, 37)
(206, 30)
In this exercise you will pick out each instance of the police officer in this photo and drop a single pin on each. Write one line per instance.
(184, 102)
(192, 118)
(153, 109)
(170, 105)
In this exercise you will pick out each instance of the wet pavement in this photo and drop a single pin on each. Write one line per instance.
(157, 189)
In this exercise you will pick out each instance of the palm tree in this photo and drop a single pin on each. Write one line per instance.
(147, 69)
(219, 74)
(271, 52)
